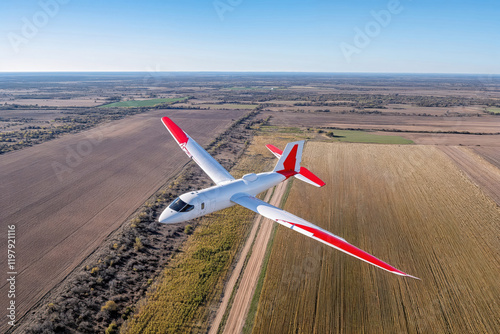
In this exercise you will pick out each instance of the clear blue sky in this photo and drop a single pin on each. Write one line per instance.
(420, 36)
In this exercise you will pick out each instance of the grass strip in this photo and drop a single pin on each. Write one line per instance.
(194, 276)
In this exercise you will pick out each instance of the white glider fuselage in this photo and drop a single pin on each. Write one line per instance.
(219, 197)
(228, 192)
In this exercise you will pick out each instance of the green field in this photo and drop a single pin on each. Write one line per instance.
(494, 110)
(349, 136)
(228, 106)
(142, 103)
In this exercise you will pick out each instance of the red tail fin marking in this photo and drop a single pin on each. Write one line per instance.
(289, 163)
(303, 171)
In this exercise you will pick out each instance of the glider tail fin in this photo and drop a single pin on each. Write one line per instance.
(289, 163)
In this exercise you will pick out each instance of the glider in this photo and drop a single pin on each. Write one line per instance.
(228, 191)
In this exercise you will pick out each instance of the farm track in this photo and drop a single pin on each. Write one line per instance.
(228, 289)
(408, 205)
(481, 172)
(246, 287)
(59, 222)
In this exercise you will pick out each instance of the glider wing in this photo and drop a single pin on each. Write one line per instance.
(209, 165)
(310, 230)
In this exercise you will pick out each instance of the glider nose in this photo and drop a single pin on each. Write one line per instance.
(168, 216)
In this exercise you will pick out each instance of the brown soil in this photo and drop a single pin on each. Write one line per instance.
(492, 154)
(78, 102)
(484, 124)
(109, 172)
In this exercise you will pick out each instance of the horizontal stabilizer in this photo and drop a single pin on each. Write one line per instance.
(304, 174)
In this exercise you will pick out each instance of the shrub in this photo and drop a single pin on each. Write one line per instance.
(110, 306)
(112, 328)
(138, 244)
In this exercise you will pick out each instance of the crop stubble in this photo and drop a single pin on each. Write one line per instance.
(409, 206)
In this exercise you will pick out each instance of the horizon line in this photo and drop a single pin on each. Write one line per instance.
(250, 72)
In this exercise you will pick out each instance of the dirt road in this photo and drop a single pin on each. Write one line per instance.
(246, 288)
(66, 195)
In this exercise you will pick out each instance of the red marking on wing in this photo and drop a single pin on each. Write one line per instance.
(308, 174)
(348, 248)
(289, 163)
(274, 149)
(179, 135)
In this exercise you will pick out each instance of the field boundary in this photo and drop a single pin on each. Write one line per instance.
(478, 170)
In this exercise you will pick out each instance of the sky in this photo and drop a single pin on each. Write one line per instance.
(390, 36)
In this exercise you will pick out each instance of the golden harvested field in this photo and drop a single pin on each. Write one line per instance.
(408, 205)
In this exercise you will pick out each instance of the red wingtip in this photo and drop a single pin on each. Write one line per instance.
(309, 175)
(179, 135)
(274, 149)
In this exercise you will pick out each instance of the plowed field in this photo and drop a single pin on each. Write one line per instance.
(66, 195)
